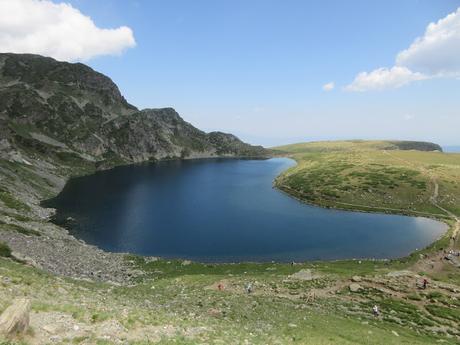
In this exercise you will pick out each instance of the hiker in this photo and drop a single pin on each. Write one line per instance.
(425, 283)
(375, 310)
(249, 288)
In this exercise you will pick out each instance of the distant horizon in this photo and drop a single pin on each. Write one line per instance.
(446, 148)
(271, 142)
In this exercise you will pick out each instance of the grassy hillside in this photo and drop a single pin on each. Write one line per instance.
(373, 175)
(180, 303)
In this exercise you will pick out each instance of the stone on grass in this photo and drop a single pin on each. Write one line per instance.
(214, 312)
(305, 275)
(355, 287)
(356, 279)
(15, 319)
(52, 328)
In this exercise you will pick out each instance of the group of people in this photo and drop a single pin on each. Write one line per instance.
(375, 309)
(424, 285)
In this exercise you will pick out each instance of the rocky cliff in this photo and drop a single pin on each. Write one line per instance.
(71, 109)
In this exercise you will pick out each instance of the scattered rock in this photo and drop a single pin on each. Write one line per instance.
(186, 262)
(305, 275)
(27, 260)
(354, 287)
(400, 274)
(111, 328)
(194, 331)
(15, 319)
(356, 279)
(214, 312)
(52, 328)
(395, 333)
(149, 259)
(62, 291)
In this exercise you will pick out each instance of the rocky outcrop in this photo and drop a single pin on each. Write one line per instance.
(15, 319)
(355, 287)
(59, 107)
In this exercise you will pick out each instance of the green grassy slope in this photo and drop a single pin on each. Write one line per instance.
(180, 304)
(371, 175)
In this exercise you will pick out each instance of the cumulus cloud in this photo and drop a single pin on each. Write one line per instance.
(435, 54)
(57, 30)
(329, 86)
(384, 78)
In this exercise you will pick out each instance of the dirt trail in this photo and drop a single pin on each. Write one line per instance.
(434, 196)
(434, 262)
(434, 201)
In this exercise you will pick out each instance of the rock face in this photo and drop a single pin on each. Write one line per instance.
(15, 319)
(76, 113)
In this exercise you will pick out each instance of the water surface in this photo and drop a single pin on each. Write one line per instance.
(224, 210)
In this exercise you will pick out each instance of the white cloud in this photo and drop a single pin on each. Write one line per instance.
(435, 54)
(57, 30)
(384, 78)
(329, 86)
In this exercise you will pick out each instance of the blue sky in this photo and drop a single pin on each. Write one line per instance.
(257, 68)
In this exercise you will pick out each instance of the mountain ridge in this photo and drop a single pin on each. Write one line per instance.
(83, 111)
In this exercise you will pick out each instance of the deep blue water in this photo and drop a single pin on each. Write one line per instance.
(225, 210)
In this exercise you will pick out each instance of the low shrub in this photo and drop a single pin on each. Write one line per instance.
(5, 251)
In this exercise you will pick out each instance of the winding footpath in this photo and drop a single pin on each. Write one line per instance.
(434, 262)
(434, 196)
(434, 201)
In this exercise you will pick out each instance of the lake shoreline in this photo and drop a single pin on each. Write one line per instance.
(273, 183)
(440, 243)
(36, 240)
(59, 252)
